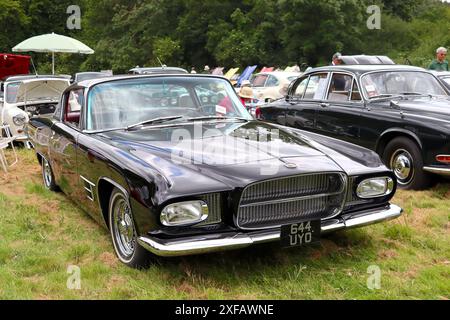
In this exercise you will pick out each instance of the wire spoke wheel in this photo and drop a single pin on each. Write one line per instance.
(123, 232)
(123, 229)
(47, 176)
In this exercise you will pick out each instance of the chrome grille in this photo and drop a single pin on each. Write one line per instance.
(277, 202)
(214, 207)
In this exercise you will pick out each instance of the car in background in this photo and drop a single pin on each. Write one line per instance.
(157, 70)
(401, 112)
(366, 60)
(167, 174)
(81, 76)
(271, 86)
(26, 96)
(444, 76)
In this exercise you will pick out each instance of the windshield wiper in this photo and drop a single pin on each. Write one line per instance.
(153, 121)
(216, 118)
(417, 94)
(387, 96)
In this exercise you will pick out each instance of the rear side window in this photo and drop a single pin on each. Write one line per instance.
(272, 82)
(260, 80)
(340, 87)
(299, 88)
(317, 86)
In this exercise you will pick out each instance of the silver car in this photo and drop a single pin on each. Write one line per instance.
(23, 97)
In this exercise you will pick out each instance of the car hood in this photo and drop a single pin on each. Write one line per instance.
(215, 143)
(427, 107)
(221, 156)
(41, 90)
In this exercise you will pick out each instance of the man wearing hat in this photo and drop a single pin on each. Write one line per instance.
(336, 59)
(246, 95)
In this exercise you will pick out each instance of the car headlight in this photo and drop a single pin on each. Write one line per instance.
(19, 120)
(184, 213)
(375, 187)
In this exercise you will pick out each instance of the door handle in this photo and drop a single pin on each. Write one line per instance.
(324, 105)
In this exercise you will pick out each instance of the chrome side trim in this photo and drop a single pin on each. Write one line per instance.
(439, 171)
(89, 188)
(229, 241)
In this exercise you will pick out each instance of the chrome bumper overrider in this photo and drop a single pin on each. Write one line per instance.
(220, 242)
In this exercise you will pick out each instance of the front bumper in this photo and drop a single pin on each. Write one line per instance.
(238, 240)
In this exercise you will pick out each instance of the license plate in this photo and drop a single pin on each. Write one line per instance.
(300, 234)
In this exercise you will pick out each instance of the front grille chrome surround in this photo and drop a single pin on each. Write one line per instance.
(213, 201)
(276, 202)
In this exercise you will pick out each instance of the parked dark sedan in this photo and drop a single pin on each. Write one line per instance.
(169, 174)
(444, 76)
(401, 112)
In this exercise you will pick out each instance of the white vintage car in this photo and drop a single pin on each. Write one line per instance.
(22, 97)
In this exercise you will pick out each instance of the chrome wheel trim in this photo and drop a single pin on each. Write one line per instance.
(402, 164)
(47, 173)
(122, 228)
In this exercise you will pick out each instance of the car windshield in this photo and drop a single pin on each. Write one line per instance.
(385, 84)
(126, 103)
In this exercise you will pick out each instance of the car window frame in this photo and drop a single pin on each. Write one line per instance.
(294, 86)
(277, 81)
(309, 79)
(65, 101)
(260, 75)
(368, 100)
(354, 79)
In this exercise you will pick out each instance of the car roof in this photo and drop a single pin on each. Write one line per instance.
(91, 72)
(150, 70)
(282, 73)
(441, 73)
(33, 76)
(92, 82)
(366, 60)
(361, 69)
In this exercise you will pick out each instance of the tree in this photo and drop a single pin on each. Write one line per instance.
(13, 23)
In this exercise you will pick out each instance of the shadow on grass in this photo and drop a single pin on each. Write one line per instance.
(337, 251)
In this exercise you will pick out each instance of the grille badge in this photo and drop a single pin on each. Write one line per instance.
(290, 165)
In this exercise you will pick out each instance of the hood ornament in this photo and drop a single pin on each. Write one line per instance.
(290, 165)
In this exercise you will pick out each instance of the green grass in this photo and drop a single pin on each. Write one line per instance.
(43, 233)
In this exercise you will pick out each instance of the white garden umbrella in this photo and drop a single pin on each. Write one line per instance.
(53, 42)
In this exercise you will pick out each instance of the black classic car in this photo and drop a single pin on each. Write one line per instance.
(401, 112)
(168, 172)
(444, 76)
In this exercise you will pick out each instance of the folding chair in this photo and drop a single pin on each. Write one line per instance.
(6, 140)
